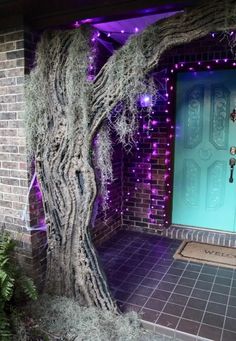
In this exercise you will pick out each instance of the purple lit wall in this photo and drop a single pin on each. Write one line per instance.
(147, 172)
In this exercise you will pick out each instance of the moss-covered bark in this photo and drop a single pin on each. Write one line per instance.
(64, 111)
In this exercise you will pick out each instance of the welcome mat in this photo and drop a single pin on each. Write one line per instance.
(207, 253)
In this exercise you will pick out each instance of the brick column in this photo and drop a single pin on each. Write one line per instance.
(15, 177)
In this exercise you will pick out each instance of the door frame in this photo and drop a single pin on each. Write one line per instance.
(171, 81)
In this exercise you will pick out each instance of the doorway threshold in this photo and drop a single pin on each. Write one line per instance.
(200, 235)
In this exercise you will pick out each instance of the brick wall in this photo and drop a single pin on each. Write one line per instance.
(147, 186)
(15, 54)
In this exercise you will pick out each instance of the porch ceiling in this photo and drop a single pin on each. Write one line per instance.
(43, 13)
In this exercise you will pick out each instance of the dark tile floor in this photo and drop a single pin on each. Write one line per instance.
(184, 296)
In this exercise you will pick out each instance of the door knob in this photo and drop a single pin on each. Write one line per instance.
(232, 163)
(233, 150)
(233, 115)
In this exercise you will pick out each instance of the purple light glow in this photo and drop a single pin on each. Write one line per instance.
(39, 195)
(76, 24)
(42, 222)
(145, 101)
(86, 21)
(90, 77)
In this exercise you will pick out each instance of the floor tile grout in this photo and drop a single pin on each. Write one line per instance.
(221, 339)
(173, 275)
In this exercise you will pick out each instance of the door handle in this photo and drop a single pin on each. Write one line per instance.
(232, 163)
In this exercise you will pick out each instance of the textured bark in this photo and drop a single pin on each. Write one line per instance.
(68, 183)
(66, 175)
(64, 165)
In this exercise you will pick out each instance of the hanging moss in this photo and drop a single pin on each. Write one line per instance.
(64, 112)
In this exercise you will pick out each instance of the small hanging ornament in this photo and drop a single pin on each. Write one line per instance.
(233, 115)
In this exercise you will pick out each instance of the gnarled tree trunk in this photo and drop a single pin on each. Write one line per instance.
(63, 160)
(68, 182)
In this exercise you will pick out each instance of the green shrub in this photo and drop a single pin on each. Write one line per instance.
(13, 284)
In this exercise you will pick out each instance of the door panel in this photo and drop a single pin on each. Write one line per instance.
(203, 196)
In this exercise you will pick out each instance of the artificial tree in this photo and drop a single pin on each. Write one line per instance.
(65, 111)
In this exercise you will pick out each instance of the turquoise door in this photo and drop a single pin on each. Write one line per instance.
(203, 195)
